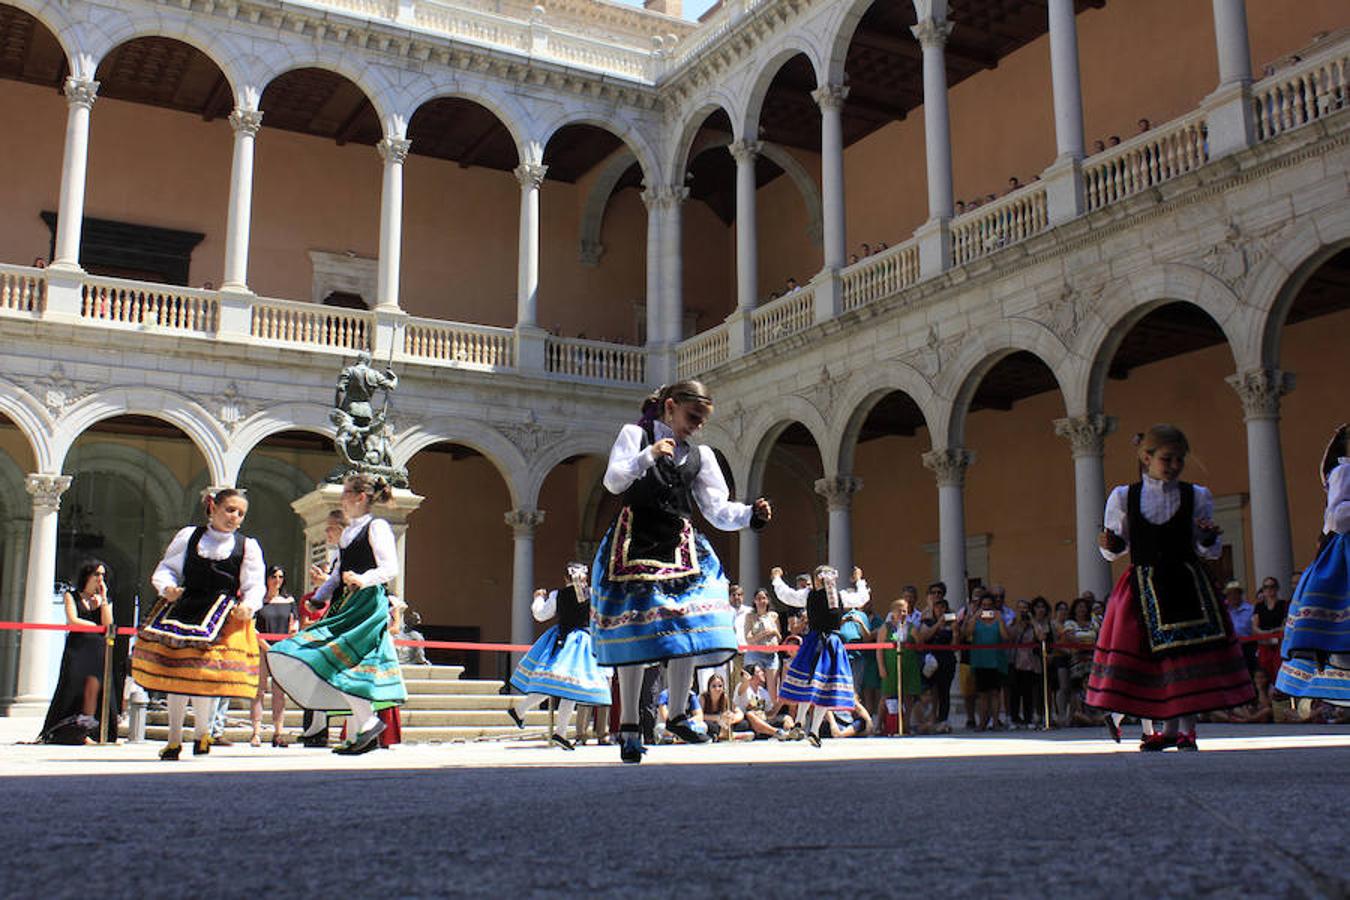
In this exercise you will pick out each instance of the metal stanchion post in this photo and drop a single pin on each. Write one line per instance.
(899, 687)
(1045, 681)
(105, 699)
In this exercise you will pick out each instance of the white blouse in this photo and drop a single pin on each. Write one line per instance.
(215, 545)
(544, 606)
(629, 461)
(382, 544)
(1337, 518)
(851, 599)
(1158, 502)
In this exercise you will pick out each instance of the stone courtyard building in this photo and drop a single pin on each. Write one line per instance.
(937, 260)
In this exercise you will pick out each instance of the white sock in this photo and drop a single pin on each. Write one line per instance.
(817, 718)
(203, 710)
(1170, 727)
(363, 715)
(564, 717)
(679, 678)
(1146, 725)
(317, 725)
(177, 712)
(1187, 724)
(529, 701)
(1117, 718)
(630, 686)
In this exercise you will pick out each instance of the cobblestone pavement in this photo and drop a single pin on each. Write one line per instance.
(1259, 812)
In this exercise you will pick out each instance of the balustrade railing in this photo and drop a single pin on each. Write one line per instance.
(1301, 94)
(880, 275)
(473, 25)
(595, 360)
(996, 225)
(599, 55)
(703, 352)
(22, 290)
(311, 325)
(471, 346)
(1145, 160)
(149, 305)
(785, 316)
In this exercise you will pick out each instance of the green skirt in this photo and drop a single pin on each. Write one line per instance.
(348, 651)
(913, 673)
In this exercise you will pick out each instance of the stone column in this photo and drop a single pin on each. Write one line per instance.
(838, 493)
(748, 573)
(11, 606)
(1230, 36)
(393, 151)
(80, 95)
(1229, 117)
(523, 522)
(1272, 547)
(747, 237)
(672, 266)
(1087, 436)
(935, 245)
(34, 647)
(654, 275)
(245, 123)
(949, 466)
(530, 176)
(1064, 178)
(830, 98)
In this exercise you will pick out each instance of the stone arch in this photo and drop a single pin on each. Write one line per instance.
(841, 28)
(681, 148)
(507, 109)
(279, 476)
(579, 443)
(56, 18)
(161, 487)
(311, 417)
(861, 397)
(631, 136)
(784, 416)
(1134, 297)
(33, 422)
(492, 444)
(974, 360)
(1280, 278)
(373, 81)
(194, 421)
(216, 45)
(597, 202)
(14, 499)
(790, 46)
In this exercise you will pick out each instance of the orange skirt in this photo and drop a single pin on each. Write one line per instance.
(227, 667)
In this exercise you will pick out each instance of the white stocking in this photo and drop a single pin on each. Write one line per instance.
(318, 724)
(630, 686)
(177, 712)
(564, 717)
(528, 702)
(1187, 724)
(816, 718)
(203, 709)
(679, 678)
(363, 715)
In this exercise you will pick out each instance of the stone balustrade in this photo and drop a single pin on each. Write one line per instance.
(1145, 160)
(996, 225)
(788, 315)
(1302, 93)
(595, 360)
(468, 346)
(880, 275)
(149, 305)
(22, 289)
(702, 352)
(311, 325)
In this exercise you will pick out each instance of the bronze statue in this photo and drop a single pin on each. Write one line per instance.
(363, 434)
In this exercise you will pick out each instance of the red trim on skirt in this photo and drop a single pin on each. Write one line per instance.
(1128, 678)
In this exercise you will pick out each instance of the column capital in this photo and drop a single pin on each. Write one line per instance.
(46, 491)
(530, 175)
(745, 152)
(839, 490)
(830, 96)
(949, 465)
(1260, 391)
(932, 33)
(1086, 434)
(394, 150)
(664, 196)
(246, 121)
(524, 521)
(80, 91)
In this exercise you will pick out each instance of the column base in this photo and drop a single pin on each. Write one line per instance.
(740, 333)
(530, 349)
(829, 296)
(662, 365)
(935, 247)
(65, 292)
(1229, 119)
(26, 707)
(1064, 195)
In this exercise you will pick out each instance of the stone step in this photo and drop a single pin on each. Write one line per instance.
(421, 673)
(536, 725)
(451, 686)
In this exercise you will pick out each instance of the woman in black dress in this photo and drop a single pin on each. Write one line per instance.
(277, 616)
(72, 716)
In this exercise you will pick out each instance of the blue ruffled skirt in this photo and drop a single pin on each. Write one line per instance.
(819, 673)
(1319, 623)
(563, 668)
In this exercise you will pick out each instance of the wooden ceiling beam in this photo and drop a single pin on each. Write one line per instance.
(909, 48)
(220, 93)
(348, 128)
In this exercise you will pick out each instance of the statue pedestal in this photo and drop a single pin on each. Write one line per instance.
(315, 506)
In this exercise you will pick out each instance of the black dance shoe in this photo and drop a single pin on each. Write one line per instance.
(1186, 742)
(813, 739)
(1113, 729)
(630, 746)
(1157, 742)
(317, 739)
(560, 741)
(515, 716)
(680, 727)
(171, 752)
(201, 746)
(364, 742)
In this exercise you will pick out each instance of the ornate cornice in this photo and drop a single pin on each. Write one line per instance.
(745, 151)
(839, 490)
(246, 121)
(523, 522)
(932, 33)
(1260, 391)
(530, 175)
(664, 196)
(949, 465)
(80, 91)
(1086, 434)
(46, 491)
(394, 150)
(830, 96)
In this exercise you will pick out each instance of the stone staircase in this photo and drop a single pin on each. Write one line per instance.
(441, 707)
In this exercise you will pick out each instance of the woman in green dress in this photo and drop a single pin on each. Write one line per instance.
(896, 629)
(345, 663)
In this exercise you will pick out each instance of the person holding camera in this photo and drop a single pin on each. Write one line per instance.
(988, 664)
(1030, 627)
(939, 628)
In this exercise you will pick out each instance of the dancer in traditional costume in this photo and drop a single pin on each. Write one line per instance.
(659, 591)
(819, 675)
(1166, 649)
(200, 641)
(1316, 645)
(72, 717)
(345, 663)
(561, 663)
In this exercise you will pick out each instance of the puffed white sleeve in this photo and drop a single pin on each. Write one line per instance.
(1338, 499)
(169, 572)
(713, 498)
(252, 577)
(1204, 509)
(543, 607)
(382, 544)
(789, 596)
(330, 584)
(1114, 519)
(628, 460)
(858, 596)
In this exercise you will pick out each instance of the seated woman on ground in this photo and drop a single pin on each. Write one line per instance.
(718, 712)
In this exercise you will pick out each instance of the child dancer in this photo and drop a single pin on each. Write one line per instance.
(819, 675)
(1317, 631)
(199, 641)
(562, 662)
(1166, 648)
(345, 663)
(659, 590)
